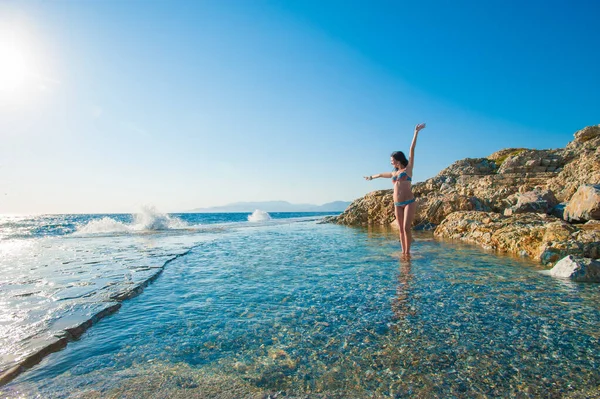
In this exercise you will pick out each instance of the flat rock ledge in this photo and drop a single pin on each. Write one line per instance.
(539, 236)
(74, 332)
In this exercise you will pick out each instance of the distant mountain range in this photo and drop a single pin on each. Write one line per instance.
(274, 206)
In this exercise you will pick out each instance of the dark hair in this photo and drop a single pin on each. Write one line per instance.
(400, 157)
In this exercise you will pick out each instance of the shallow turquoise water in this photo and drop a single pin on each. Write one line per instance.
(308, 309)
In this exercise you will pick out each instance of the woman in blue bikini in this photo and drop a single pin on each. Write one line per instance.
(404, 200)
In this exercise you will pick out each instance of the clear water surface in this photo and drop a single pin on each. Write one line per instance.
(293, 308)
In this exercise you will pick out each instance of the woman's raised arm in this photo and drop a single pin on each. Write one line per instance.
(411, 155)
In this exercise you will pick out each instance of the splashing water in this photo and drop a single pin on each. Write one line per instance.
(104, 225)
(259, 216)
(149, 219)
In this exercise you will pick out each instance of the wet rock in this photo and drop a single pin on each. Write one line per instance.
(585, 204)
(577, 269)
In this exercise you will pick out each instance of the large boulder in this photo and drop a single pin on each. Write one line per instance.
(537, 201)
(585, 135)
(584, 205)
(577, 269)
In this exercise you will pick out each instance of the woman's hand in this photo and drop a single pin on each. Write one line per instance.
(419, 127)
(368, 177)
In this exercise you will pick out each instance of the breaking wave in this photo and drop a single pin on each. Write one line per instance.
(149, 219)
(259, 216)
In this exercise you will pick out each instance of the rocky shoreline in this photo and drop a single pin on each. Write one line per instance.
(542, 204)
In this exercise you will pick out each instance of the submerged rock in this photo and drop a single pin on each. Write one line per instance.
(577, 269)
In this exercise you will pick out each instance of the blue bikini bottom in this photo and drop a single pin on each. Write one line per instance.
(404, 203)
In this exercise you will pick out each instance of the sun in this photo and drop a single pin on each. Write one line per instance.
(15, 69)
(18, 72)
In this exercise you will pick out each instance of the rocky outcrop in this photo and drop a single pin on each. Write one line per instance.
(538, 236)
(516, 200)
(496, 183)
(577, 269)
(375, 208)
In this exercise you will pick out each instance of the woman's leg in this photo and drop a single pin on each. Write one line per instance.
(406, 227)
(399, 210)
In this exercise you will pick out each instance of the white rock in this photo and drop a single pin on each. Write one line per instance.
(577, 269)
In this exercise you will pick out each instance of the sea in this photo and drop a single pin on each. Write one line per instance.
(280, 305)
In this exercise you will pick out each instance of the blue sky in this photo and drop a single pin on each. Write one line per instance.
(193, 104)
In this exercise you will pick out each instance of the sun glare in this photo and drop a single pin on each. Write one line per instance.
(20, 77)
(14, 68)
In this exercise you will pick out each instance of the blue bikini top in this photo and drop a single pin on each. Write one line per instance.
(400, 176)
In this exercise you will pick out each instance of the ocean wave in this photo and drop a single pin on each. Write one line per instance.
(259, 216)
(148, 220)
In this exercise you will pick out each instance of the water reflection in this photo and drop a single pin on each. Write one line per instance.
(401, 303)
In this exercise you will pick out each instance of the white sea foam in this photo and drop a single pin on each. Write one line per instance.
(148, 219)
(103, 226)
(151, 219)
(259, 216)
